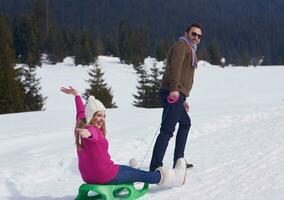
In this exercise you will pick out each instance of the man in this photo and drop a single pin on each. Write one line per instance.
(176, 85)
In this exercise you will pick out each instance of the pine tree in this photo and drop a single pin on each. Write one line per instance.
(28, 52)
(26, 42)
(245, 59)
(43, 22)
(99, 88)
(124, 47)
(56, 47)
(139, 45)
(71, 40)
(155, 83)
(162, 49)
(214, 53)
(142, 98)
(33, 99)
(110, 44)
(148, 87)
(84, 53)
(203, 54)
(10, 86)
(98, 47)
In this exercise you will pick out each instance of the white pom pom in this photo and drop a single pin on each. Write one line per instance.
(133, 163)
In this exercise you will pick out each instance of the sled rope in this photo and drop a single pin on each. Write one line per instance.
(166, 112)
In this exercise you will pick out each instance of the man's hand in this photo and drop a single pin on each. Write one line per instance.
(85, 133)
(186, 106)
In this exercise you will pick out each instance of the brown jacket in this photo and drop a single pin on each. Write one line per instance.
(179, 72)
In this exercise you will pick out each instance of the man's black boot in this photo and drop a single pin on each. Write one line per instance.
(188, 165)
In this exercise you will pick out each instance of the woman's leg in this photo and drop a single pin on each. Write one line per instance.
(128, 174)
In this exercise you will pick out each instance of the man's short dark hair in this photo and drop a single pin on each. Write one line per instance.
(197, 25)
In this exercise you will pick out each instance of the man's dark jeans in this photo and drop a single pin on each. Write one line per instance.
(172, 114)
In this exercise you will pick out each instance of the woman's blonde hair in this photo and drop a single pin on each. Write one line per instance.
(81, 123)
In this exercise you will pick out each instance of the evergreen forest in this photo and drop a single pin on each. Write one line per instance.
(241, 31)
(235, 32)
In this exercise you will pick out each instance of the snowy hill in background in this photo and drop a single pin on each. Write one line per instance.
(236, 142)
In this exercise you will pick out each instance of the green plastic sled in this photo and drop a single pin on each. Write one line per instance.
(111, 192)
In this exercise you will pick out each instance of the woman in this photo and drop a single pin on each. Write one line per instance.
(95, 164)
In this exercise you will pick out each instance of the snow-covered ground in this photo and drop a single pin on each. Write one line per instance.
(236, 142)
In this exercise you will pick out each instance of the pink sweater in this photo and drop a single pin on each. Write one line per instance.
(95, 164)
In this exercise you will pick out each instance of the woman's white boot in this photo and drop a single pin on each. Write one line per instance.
(173, 177)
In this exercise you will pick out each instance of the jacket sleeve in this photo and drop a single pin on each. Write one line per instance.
(95, 135)
(80, 108)
(175, 65)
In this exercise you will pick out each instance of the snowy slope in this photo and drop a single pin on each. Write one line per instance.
(236, 142)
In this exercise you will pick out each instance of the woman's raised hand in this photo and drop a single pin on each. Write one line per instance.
(70, 90)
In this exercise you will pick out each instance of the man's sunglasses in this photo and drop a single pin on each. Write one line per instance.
(196, 34)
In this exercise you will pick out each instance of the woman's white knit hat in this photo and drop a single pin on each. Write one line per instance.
(93, 106)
